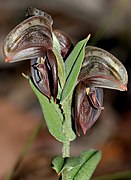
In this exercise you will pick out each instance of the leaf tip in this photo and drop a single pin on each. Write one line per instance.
(88, 37)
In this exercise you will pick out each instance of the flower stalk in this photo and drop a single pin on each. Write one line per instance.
(68, 132)
(67, 129)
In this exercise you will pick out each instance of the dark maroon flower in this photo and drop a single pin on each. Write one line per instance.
(33, 39)
(88, 106)
(99, 70)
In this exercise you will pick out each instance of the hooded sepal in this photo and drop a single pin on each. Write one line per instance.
(28, 39)
(102, 69)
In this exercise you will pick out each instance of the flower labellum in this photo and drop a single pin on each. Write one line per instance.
(88, 106)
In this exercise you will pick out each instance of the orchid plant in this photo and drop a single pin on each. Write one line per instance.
(68, 82)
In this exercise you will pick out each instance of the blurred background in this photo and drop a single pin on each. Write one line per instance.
(109, 23)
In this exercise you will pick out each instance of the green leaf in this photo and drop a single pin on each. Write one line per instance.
(69, 63)
(72, 68)
(86, 167)
(57, 164)
(72, 162)
(91, 158)
(52, 114)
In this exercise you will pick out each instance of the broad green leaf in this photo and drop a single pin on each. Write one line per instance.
(72, 162)
(57, 164)
(69, 63)
(73, 69)
(86, 167)
(52, 114)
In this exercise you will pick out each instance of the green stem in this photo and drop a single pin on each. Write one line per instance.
(67, 130)
(65, 153)
(65, 174)
(66, 149)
